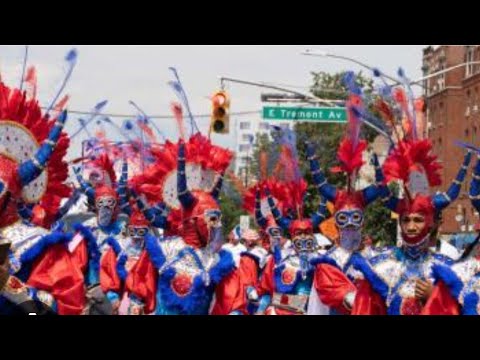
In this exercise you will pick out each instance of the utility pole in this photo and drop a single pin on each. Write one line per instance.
(309, 98)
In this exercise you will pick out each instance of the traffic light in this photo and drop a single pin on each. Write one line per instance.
(220, 119)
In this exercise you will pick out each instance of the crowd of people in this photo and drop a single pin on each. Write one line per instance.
(141, 231)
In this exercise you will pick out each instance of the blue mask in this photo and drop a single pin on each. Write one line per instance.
(349, 218)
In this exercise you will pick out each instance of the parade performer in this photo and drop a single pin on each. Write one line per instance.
(179, 273)
(32, 171)
(234, 245)
(336, 281)
(458, 286)
(286, 281)
(238, 287)
(97, 241)
(399, 280)
(117, 263)
(255, 201)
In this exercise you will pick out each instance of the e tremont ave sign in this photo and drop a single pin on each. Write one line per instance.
(318, 114)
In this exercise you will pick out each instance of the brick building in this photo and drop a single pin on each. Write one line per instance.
(453, 113)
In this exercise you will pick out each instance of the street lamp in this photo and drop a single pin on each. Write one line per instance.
(320, 53)
(416, 82)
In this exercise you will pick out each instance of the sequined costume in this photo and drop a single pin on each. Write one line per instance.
(286, 282)
(182, 272)
(392, 276)
(457, 287)
(33, 172)
(119, 260)
(335, 280)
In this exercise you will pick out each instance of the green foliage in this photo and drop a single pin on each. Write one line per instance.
(326, 138)
(231, 212)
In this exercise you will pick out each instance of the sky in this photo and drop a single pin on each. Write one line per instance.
(119, 73)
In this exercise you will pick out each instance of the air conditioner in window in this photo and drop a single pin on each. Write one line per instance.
(429, 125)
(475, 108)
(467, 112)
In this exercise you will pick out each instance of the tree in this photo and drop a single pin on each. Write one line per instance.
(231, 211)
(262, 144)
(378, 222)
(326, 137)
(230, 200)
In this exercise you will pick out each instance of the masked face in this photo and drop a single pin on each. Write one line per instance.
(105, 210)
(304, 244)
(137, 232)
(414, 227)
(349, 219)
(213, 218)
(350, 239)
(213, 221)
(349, 222)
(275, 236)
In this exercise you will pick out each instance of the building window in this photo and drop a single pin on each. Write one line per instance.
(264, 126)
(470, 58)
(244, 148)
(441, 77)
(245, 125)
(467, 133)
(245, 160)
(248, 138)
(439, 141)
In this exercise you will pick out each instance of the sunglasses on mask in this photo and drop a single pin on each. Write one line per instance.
(346, 218)
(137, 231)
(304, 245)
(105, 202)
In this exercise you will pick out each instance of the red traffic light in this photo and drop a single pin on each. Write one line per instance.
(219, 99)
(220, 113)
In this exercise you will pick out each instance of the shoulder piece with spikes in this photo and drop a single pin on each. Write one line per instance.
(32, 151)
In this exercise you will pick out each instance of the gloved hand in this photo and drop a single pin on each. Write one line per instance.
(236, 312)
(252, 294)
(349, 300)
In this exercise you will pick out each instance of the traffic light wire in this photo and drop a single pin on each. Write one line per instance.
(111, 115)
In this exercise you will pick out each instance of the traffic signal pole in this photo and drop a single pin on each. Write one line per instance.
(308, 97)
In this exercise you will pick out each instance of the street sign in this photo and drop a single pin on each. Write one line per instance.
(317, 114)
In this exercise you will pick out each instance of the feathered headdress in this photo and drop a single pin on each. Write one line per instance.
(411, 159)
(204, 166)
(32, 151)
(350, 155)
